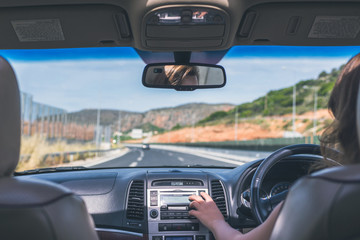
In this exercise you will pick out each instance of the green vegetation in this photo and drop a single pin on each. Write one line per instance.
(176, 127)
(148, 127)
(214, 116)
(279, 102)
(288, 125)
(125, 138)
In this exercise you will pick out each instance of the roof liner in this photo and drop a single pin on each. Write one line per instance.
(118, 23)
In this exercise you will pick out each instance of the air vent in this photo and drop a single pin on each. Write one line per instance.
(135, 203)
(217, 193)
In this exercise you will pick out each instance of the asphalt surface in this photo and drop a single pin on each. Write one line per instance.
(137, 157)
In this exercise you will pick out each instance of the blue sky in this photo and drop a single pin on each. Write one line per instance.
(110, 78)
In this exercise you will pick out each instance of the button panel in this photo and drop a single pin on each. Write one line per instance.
(158, 238)
(200, 237)
(153, 198)
(163, 227)
(165, 215)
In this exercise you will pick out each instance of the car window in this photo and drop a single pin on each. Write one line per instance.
(88, 107)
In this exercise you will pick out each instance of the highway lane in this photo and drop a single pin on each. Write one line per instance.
(137, 157)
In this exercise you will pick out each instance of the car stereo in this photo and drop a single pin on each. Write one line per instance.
(168, 211)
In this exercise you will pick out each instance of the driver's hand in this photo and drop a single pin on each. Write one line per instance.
(205, 210)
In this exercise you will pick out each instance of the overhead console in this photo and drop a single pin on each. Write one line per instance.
(185, 28)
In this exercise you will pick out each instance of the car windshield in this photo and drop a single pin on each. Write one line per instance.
(88, 107)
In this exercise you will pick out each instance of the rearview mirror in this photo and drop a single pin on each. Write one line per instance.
(183, 77)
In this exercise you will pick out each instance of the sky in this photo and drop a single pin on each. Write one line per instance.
(110, 78)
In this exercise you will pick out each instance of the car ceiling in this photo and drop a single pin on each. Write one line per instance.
(41, 24)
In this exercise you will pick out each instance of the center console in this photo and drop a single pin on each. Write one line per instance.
(168, 207)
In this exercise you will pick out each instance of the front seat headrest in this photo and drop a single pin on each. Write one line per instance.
(10, 130)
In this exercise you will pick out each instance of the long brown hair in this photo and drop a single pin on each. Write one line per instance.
(176, 73)
(341, 134)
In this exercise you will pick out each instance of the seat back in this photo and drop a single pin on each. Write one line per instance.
(32, 209)
(322, 206)
(9, 119)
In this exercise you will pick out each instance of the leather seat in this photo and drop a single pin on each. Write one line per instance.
(32, 209)
(322, 206)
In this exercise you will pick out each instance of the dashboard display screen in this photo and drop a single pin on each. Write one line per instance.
(177, 183)
(177, 199)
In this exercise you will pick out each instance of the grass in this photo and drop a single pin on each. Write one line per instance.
(37, 147)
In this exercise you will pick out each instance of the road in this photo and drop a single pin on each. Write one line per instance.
(176, 156)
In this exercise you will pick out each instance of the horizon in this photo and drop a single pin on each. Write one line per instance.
(154, 109)
(78, 79)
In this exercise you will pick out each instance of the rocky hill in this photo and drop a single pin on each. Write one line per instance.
(155, 119)
(279, 102)
(268, 116)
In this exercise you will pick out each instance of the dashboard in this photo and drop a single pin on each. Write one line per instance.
(152, 203)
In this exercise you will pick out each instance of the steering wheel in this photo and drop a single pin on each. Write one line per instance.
(261, 207)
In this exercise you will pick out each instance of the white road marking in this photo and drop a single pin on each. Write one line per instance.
(134, 164)
(181, 159)
(141, 155)
(217, 156)
(210, 155)
(170, 154)
(96, 161)
(202, 153)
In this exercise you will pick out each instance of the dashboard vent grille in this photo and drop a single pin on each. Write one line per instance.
(135, 204)
(217, 193)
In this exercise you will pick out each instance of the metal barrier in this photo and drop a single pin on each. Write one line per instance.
(268, 144)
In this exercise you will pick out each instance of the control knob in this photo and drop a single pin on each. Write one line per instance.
(154, 213)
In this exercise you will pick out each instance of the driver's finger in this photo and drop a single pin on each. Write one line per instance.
(194, 205)
(206, 196)
(196, 198)
(194, 213)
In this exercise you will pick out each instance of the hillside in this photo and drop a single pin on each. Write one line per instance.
(269, 116)
(153, 120)
(248, 129)
(279, 102)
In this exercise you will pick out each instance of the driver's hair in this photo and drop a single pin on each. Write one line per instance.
(176, 73)
(341, 134)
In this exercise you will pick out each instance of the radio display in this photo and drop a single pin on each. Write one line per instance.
(173, 183)
(177, 199)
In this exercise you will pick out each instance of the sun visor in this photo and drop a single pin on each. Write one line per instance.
(94, 25)
(301, 24)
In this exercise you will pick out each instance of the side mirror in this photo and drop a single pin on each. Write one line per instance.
(183, 77)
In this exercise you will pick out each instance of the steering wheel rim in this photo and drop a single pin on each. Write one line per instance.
(261, 208)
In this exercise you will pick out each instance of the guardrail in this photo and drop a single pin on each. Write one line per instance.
(268, 144)
(70, 156)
